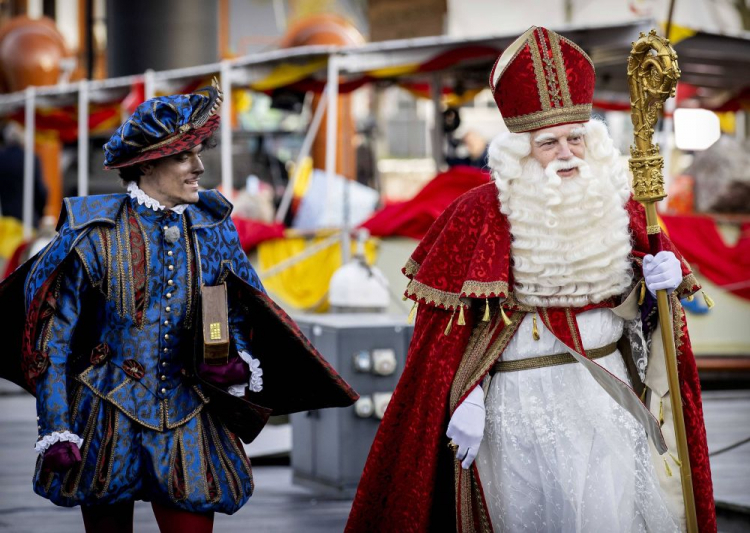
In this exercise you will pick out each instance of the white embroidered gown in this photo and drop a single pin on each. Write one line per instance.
(558, 454)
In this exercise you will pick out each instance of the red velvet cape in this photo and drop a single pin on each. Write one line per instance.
(408, 481)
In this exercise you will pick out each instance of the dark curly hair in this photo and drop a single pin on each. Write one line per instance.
(134, 172)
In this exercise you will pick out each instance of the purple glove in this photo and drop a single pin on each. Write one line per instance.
(235, 371)
(60, 457)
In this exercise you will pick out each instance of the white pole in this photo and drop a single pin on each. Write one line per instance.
(28, 163)
(227, 183)
(436, 89)
(149, 85)
(332, 142)
(83, 138)
(286, 200)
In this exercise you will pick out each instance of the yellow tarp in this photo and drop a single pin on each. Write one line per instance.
(304, 284)
(11, 236)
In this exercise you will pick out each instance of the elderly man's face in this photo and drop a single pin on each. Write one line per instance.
(173, 180)
(561, 143)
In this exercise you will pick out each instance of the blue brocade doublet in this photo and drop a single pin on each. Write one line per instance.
(135, 274)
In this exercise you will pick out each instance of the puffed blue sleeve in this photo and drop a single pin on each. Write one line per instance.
(54, 422)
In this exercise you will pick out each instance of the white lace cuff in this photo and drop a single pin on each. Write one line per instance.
(256, 372)
(54, 437)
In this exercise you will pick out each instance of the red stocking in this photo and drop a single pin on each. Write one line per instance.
(172, 520)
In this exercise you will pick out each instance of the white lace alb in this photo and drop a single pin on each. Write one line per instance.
(144, 199)
(559, 454)
(45, 442)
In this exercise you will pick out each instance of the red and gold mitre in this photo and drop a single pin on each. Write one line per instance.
(542, 80)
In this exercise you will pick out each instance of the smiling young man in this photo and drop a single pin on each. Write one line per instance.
(533, 398)
(105, 327)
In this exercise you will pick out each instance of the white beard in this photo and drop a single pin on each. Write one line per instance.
(571, 238)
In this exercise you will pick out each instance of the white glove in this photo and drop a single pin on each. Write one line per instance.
(466, 427)
(662, 272)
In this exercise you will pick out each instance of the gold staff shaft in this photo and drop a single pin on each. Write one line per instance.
(652, 78)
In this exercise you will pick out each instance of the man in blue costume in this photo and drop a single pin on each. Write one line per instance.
(102, 324)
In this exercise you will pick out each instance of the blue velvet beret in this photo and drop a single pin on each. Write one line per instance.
(164, 126)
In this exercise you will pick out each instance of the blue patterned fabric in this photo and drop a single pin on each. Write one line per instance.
(136, 292)
(154, 121)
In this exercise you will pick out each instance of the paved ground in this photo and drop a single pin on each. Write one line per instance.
(279, 506)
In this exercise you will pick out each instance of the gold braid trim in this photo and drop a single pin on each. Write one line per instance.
(430, 295)
(678, 322)
(478, 358)
(484, 289)
(688, 287)
(554, 40)
(452, 300)
(541, 81)
(551, 117)
(411, 268)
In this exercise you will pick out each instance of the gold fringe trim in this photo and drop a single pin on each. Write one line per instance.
(661, 412)
(666, 467)
(486, 317)
(707, 298)
(449, 327)
(506, 320)
(412, 313)
(411, 268)
(535, 330)
(675, 459)
(642, 296)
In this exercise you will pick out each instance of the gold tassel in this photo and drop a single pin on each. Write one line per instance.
(461, 320)
(642, 297)
(506, 320)
(669, 470)
(709, 301)
(534, 330)
(450, 325)
(486, 317)
(690, 298)
(643, 394)
(412, 313)
(675, 459)
(661, 412)
(404, 298)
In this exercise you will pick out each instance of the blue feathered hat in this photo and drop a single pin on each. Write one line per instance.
(164, 126)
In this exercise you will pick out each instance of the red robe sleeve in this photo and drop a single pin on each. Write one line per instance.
(407, 484)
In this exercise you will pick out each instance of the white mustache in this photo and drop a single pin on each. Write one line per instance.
(567, 164)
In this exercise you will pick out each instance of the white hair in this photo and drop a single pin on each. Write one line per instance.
(571, 238)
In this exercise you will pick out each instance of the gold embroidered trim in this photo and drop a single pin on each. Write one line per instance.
(546, 118)
(477, 345)
(541, 82)
(189, 252)
(484, 289)
(447, 300)
(205, 457)
(83, 379)
(110, 466)
(452, 300)
(573, 330)
(463, 496)
(485, 526)
(245, 460)
(552, 76)
(179, 447)
(562, 77)
(411, 268)
(147, 267)
(653, 230)
(168, 140)
(87, 434)
(543, 361)
(688, 286)
(186, 418)
(225, 462)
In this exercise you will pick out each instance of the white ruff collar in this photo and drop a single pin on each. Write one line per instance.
(144, 199)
